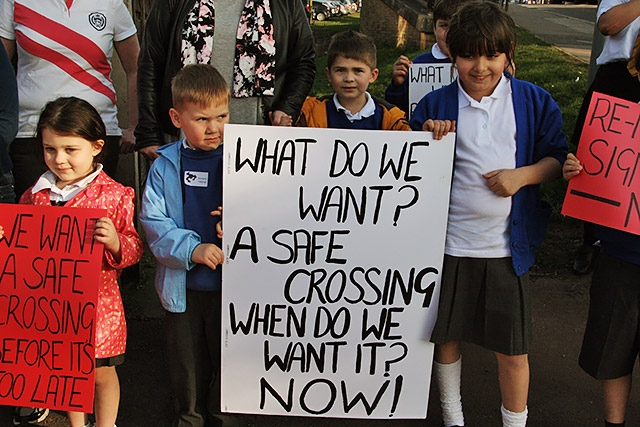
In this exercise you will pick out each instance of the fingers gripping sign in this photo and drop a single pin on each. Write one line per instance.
(210, 254)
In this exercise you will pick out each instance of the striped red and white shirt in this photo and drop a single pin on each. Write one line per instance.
(64, 49)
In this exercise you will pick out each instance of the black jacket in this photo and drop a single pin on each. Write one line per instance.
(160, 60)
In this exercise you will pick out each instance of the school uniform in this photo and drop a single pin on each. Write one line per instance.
(490, 239)
(184, 185)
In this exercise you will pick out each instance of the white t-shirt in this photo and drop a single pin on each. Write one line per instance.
(478, 224)
(617, 47)
(65, 52)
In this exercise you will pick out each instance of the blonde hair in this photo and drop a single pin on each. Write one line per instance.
(200, 84)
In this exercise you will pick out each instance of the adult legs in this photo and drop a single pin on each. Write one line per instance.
(28, 163)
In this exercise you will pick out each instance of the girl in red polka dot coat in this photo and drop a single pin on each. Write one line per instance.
(72, 135)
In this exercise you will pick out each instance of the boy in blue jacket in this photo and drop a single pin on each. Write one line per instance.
(187, 177)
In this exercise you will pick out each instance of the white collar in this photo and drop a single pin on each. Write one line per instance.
(437, 53)
(502, 90)
(47, 181)
(368, 110)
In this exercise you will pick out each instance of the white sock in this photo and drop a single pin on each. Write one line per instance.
(448, 380)
(513, 419)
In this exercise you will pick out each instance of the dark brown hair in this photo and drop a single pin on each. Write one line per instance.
(481, 28)
(71, 116)
(353, 45)
(445, 9)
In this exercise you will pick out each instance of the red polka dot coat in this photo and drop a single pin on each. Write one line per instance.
(105, 193)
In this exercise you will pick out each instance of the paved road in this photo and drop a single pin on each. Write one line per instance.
(569, 27)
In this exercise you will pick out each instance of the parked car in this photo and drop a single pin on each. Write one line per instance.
(334, 7)
(349, 7)
(319, 11)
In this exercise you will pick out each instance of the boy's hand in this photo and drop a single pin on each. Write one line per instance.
(504, 182)
(439, 127)
(1, 232)
(208, 254)
(400, 70)
(218, 212)
(105, 232)
(571, 167)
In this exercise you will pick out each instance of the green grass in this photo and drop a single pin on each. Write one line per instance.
(562, 75)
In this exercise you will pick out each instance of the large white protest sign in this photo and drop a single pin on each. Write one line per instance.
(334, 243)
(425, 78)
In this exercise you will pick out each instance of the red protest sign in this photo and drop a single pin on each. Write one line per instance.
(606, 191)
(50, 268)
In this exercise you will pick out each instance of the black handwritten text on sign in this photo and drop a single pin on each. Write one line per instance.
(607, 190)
(50, 270)
(333, 244)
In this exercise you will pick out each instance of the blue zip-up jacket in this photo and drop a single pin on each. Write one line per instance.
(162, 218)
(538, 134)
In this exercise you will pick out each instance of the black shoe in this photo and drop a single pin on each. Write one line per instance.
(23, 415)
(585, 258)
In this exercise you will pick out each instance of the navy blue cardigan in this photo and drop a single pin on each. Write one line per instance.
(538, 134)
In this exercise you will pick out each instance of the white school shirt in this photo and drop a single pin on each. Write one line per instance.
(617, 47)
(478, 224)
(368, 110)
(65, 51)
(437, 53)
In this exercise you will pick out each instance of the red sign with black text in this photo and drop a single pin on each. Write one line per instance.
(50, 271)
(606, 191)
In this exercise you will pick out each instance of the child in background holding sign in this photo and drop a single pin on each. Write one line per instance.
(72, 135)
(181, 199)
(610, 343)
(351, 67)
(397, 92)
(509, 140)
(619, 22)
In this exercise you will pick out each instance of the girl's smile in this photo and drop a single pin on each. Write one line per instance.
(70, 158)
(479, 74)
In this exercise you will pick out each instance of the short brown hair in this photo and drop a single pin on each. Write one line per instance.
(353, 45)
(200, 84)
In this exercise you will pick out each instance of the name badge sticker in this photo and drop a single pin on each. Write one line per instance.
(196, 179)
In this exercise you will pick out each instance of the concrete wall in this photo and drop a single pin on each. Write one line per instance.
(407, 24)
